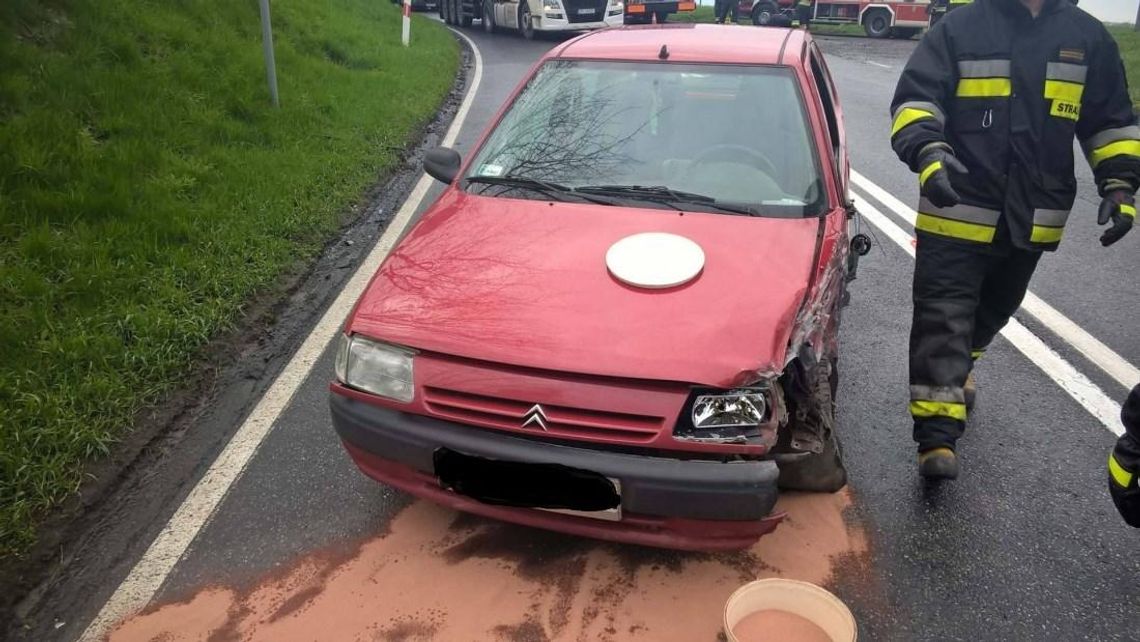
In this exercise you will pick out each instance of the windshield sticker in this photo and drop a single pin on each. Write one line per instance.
(489, 169)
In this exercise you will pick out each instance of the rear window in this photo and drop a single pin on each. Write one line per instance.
(737, 134)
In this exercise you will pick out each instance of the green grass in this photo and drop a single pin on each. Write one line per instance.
(147, 190)
(1129, 42)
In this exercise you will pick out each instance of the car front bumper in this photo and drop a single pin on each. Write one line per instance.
(666, 502)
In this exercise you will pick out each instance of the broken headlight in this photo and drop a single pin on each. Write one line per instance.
(738, 415)
(734, 409)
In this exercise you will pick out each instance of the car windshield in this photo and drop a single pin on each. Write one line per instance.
(724, 138)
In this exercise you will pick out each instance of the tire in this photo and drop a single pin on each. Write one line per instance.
(526, 26)
(877, 23)
(488, 17)
(822, 472)
(904, 33)
(762, 14)
(462, 18)
(447, 11)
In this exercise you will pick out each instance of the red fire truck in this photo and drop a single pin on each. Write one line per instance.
(880, 19)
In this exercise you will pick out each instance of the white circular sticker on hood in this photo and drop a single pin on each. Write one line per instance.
(655, 260)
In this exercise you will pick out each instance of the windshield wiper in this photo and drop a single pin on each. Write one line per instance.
(553, 190)
(666, 196)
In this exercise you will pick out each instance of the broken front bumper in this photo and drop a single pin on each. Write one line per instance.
(666, 502)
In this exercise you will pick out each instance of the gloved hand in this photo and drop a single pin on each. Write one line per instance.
(1123, 460)
(935, 163)
(1118, 206)
(1122, 485)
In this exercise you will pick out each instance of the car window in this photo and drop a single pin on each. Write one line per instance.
(738, 134)
(824, 89)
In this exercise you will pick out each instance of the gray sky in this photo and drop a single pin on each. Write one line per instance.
(1111, 10)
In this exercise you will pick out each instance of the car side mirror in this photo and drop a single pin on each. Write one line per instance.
(442, 164)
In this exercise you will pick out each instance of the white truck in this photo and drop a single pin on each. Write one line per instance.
(532, 16)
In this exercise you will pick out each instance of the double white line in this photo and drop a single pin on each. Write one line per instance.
(1071, 380)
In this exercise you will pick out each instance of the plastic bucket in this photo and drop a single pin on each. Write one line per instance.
(798, 598)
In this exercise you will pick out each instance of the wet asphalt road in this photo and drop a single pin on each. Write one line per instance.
(1025, 546)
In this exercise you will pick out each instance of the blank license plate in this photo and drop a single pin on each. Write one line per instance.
(551, 487)
(587, 12)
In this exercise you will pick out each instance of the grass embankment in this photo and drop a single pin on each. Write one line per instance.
(1129, 42)
(147, 189)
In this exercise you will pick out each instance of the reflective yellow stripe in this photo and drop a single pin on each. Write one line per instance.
(1120, 147)
(984, 87)
(977, 354)
(1066, 109)
(938, 409)
(1128, 210)
(955, 229)
(908, 116)
(1061, 90)
(1042, 234)
(1122, 477)
(930, 169)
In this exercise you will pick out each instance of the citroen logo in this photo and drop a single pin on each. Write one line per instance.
(536, 415)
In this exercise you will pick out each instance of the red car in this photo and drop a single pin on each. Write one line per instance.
(620, 318)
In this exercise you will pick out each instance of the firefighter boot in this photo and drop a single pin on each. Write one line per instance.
(938, 463)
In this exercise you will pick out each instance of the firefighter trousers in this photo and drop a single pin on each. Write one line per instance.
(964, 293)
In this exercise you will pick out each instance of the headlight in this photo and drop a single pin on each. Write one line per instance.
(551, 5)
(375, 367)
(736, 416)
(615, 7)
(735, 409)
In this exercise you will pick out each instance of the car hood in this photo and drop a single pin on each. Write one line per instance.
(525, 283)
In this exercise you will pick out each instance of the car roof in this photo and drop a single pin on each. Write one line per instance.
(690, 43)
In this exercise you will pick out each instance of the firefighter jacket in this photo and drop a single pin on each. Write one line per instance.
(1007, 92)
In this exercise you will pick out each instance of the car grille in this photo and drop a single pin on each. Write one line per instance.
(561, 421)
(573, 6)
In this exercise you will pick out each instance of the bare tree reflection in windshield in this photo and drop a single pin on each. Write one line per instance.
(563, 130)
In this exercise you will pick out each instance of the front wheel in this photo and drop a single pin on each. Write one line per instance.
(526, 25)
(812, 419)
(877, 23)
(762, 14)
(462, 18)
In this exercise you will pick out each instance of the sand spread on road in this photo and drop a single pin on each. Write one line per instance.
(442, 575)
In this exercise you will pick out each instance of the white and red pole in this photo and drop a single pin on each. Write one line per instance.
(407, 35)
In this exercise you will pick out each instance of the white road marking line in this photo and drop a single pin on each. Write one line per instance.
(1071, 380)
(879, 64)
(148, 574)
(1092, 348)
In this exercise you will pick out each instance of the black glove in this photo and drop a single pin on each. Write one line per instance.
(1125, 493)
(1118, 206)
(1124, 461)
(935, 165)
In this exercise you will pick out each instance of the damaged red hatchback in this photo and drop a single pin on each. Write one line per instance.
(620, 319)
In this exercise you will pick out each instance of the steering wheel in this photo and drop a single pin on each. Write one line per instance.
(729, 151)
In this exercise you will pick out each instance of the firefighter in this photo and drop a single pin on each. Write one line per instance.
(985, 113)
(1124, 463)
(725, 10)
(803, 14)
